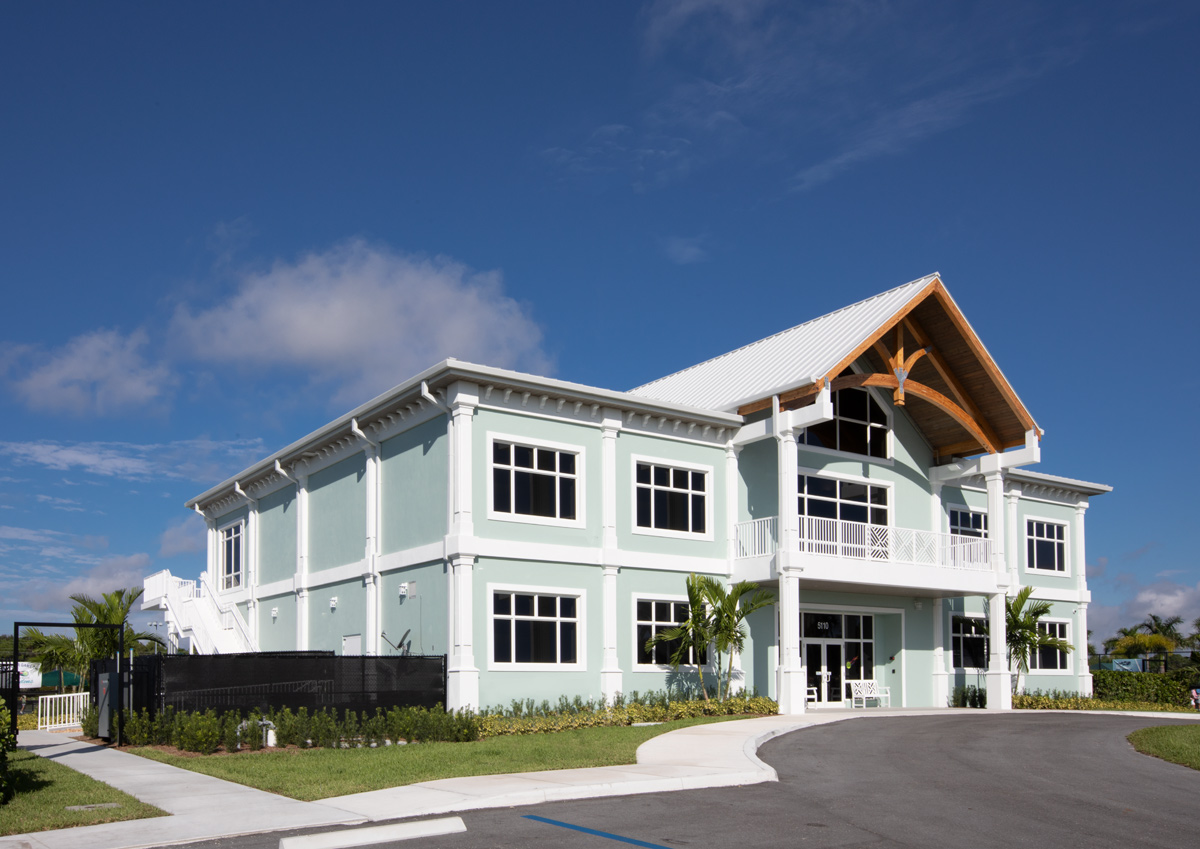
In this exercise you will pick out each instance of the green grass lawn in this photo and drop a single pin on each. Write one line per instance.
(310, 774)
(45, 789)
(1179, 744)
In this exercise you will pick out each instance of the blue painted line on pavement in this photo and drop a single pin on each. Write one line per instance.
(616, 837)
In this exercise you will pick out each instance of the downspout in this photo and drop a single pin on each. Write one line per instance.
(372, 627)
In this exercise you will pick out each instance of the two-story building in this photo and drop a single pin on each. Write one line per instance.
(868, 466)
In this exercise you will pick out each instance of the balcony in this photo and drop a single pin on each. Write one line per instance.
(877, 544)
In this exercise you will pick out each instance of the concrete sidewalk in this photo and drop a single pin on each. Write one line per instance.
(718, 755)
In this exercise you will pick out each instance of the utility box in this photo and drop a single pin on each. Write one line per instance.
(105, 693)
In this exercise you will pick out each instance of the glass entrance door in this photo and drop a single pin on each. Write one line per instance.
(823, 669)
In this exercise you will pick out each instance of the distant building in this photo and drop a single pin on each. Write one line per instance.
(868, 466)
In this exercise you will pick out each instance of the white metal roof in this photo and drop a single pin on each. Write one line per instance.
(786, 360)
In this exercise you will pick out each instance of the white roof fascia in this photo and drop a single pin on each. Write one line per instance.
(1071, 484)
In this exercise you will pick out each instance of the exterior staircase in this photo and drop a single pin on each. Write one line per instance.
(192, 611)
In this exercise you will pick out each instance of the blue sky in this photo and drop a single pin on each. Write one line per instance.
(223, 224)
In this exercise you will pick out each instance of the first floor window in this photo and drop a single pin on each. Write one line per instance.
(967, 523)
(970, 642)
(231, 557)
(532, 481)
(534, 628)
(671, 499)
(1046, 546)
(1048, 657)
(654, 617)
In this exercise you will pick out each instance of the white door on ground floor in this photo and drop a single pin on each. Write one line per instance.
(823, 669)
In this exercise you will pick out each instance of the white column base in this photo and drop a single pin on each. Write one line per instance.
(941, 689)
(999, 690)
(611, 683)
(462, 689)
(1085, 684)
(792, 691)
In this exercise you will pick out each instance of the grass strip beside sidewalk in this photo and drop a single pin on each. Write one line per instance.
(45, 790)
(311, 774)
(1179, 744)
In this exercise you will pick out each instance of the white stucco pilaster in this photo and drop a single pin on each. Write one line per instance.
(610, 427)
(462, 674)
(301, 578)
(371, 481)
(611, 678)
(463, 400)
(791, 672)
(936, 522)
(1012, 545)
(941, 675)
(462, 684)
(996, 524)
(1079, 564)
(731, 500)
(999, 679)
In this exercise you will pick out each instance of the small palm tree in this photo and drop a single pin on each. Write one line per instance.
(1023, 634)
(1138, 644)
(730, 609)
(1166, 627)
(696, 632)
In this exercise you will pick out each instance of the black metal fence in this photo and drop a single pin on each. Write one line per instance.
(265, 680)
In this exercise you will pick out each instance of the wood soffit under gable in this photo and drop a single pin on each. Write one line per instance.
(956, 367)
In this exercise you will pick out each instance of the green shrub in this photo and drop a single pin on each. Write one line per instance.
(8, 743)
(229, 730)
(89, 722)
(139, 728)
(325, 731)
(1059, 700)
(1145, 687)
(969, 696)
(200, 732)
(252, 733)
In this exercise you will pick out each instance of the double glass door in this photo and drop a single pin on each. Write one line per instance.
(823, 668)
(837, 649)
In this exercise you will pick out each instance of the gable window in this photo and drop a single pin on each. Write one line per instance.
(967, 523)
(529, 480)
(671, 499)
(1046, 546)
(859, 425)
(848, 501)
(535, 628)
(1048, 657)
(231, 557)
(969, 641)
(653, 617)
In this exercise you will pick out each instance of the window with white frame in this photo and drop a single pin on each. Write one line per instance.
(859, 425)
(848, 501)
(652, 618)
(1048, 657)
(669, 498)
(231, 557)
(535, 628)
(968, 523)
(969, 642)
(1046, 546)
(530, 480)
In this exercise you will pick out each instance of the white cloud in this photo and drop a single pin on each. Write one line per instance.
(364, 318)
(111, 573)
(1162, 598)
(189, 459)
(685, 250)
(99, 373)
(185, 536)
(68, 505)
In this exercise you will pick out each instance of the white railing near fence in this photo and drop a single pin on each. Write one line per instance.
(757, 537)
(61, 711)
(860, 541)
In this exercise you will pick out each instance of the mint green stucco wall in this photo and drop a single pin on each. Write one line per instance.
(578, 437)
(337, 522)
(277, 535)
(277, 633)
(326, 627)
(415, 477)
(417, 623)
(656, 449)
(538, 681)
(758, 485)
(232, 516)
(756, 659)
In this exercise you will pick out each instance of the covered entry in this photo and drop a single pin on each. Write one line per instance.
(837, 648)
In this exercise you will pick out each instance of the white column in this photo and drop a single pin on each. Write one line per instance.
(1013, 543)
(999, 679)
(301, 578)
(610, 670)
(462, 685)
(1079, 564)
(609, 428)
(941, 675)
(371, 552)
(791, 672)
(731, 500)
(789, 494)
(463, 399)
(996, 524)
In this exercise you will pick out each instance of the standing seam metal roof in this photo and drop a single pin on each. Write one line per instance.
(790, 358)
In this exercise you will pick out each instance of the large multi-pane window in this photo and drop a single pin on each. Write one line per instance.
(1046, 546)
(530, 480)
(653, 617)
(968, 523)
(859, 425)
(537, 628)
(848, 501)
(231, 557)
(1048, 657)
(968, 637)
(671, 498)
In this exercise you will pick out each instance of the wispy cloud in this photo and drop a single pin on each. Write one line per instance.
(101, 373)
(362, 317)
(191, 459)
(185, 536)
(42, 593)
(68, 505)
(1138, 554)
(683, 250)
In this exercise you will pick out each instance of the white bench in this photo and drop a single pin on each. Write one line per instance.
(862, 691)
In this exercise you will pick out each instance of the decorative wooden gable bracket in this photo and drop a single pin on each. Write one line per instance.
(900, 366)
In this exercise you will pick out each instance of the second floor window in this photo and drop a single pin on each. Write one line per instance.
(671, 499)
(965, 523)
(532, 481)
(1046, 546)
(231, 557)
(859, 426)
(848, 501)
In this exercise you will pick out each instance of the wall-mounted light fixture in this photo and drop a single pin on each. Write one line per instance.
(274, 612)
(333, 603)
(918, 604)
(403, 590)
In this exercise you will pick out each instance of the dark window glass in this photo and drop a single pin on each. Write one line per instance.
(698, 481)
(878, 516)
(681, 612)
(822, 626)
(800, 483)
(502, 640)
(547, 605)
(523, 456)
(854, 661)
(567, 641)
(546, 459)
(698, 514)
(566, 498)
(663, 651)
(823, 435)
(545, 648)
(522, 493)
(643, 508)
(973, 653)
(524, 604)
(523, 630)
(566, 463)
(502, 603)
(1046, 551)
(853, 404)
(878, 416)
(822, 509)
(566, 607)
(1048, 658)
(854, 627)
(868, 627)
(677, 511)
(868, 661)
(662, 476)
(501, 493)
(543, 501)
(854, 513)
(643, 610)
(501, 452)
(854, 492)
(852, 437)
(879, 495)
(822, 487)
(644, 633)
(662, 611)
(878, 446)
(643, 473)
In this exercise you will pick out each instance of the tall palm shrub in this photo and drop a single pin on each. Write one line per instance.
(729, 611)
(1021, 620)
(696, 632)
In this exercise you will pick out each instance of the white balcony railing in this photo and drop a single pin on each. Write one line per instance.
(878, 543)
(63, 711)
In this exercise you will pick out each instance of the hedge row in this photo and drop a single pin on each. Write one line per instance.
(1145, 687)
(8, 744)
(1060, 701)
(498, 724)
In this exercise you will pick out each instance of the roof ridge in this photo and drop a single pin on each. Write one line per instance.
(883, 294)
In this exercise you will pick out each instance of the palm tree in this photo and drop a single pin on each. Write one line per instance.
(696, 632)
(1139, 643)
(1111, 643)
(1024, 636)
(1168, 629)
(729, 610)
